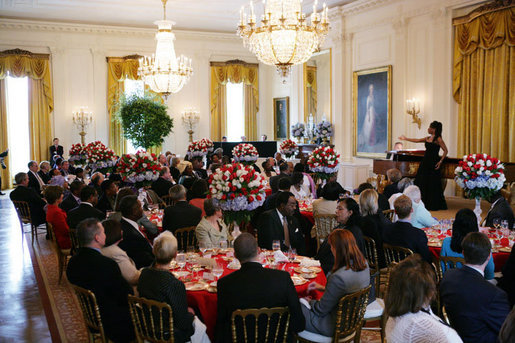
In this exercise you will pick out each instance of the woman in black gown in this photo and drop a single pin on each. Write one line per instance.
(429, 178)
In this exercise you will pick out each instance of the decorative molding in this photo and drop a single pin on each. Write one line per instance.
(493, 6)
(20, 52)
(364, 5)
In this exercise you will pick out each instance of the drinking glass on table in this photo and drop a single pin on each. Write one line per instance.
(497, 223)
(203, 247)
(504, 224)
(217, 270)
(276, 245)
(181, 260)
(223, 245)
(291, 255)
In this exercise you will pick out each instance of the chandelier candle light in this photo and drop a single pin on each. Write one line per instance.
(284, 37)
(164, 72)
(82, 118)
(190, 118)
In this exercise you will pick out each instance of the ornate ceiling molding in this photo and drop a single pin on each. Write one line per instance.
(364, 5)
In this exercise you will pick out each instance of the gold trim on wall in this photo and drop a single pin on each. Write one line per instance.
(304, 82)
(287, 99)
(493, 6)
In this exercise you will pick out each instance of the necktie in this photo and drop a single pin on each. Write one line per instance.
(40, 181)
(286, 232)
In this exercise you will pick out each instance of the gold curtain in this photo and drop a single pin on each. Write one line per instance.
(4, 142)
(311, 91)
(484, 83)
(235, 72)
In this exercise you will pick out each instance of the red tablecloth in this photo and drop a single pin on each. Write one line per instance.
(206, 302)
(500, 258)
(308, 215)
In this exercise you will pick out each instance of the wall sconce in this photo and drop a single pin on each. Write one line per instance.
(190, 118)
(413, 109)
(82, 118)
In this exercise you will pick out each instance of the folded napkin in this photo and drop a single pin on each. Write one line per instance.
(280, 257)
(307, 262)
(208, 262)
(235, 264)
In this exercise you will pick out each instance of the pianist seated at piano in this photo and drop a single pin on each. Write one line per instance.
(398, 146)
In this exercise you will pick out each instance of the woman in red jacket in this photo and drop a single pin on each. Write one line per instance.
(57, 217)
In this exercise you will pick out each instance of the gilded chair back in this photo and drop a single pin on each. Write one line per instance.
(167, 200)
(152, 320)
(389, 214)
(324, 224)
(91, 313)
(447, 262)
(62, 254)
(260, 325)
(373, 262)
(23, 211)
(349, 315)
(186, 237)
(394, 253)
(75, 240)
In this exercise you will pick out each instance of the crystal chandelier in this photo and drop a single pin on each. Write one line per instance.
(284, 37)
(164, 72)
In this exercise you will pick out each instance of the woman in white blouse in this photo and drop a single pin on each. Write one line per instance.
(212, 230)
(411, 289)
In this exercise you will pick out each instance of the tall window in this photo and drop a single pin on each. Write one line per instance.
(235, 112)
(17, 94)
(133, 87)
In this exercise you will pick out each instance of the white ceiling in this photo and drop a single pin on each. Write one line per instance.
(202, 15)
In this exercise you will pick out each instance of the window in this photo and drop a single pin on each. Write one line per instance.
(235, 112)
(17, 96)
(133, 87)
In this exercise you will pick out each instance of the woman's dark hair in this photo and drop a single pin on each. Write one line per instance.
(438, 129)
(299, 167)
(198, 189)
(351, 205)
(113, 231)
(465, 222)
(347, 255)
(211, 206)
(332, 191)
(296, 178)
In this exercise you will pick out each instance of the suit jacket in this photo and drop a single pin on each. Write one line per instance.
(507, 281)
(136, 245)
(89, 269)
(81, 212)
(161, 186)
(250, 287)
(176, 173)
(181, 215)
(44, 176)
(69, 203)
(390, 190)
(270, 228)
(36, 204)
(476, 308)
(405, 235)
(502, 211)
(200, 173)
(53, 151)
(104, 204)
(383, 203)
(33, 183)
(274, 181)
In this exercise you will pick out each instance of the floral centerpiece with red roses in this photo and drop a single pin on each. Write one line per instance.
(288, 148)
(140, 168)
(100, 157)
(245, 153)
(480, 175)
(323, 162)
(200, 148)
(78, 155)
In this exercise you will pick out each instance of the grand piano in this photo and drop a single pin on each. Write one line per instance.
(407, 161)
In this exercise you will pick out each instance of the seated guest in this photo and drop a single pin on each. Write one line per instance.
(500, 210)
(268, 170)
(280, 224)
(57, 217)
(65, 168)
(348, 217)
(421, 217)
(382, 201)
(410, 292)
(113, 232)
(212, 230)
(329, 200)
(44, 170)
(23, 193)
(198, 168)
(320, 186)
(476, 308)
(198, 193)
(72, 200)
(79, 173)
(279, 159)
(284, 171)
(249, 288)
(507, 334)
(35, 181)
(163, 183)
(297, 180)
(180, 214)
(187, 176)
(57, 179)
(308, 185)
(161, 159)
(403, 234)
(176, 174)
(117, 179)
(86, 209)
(96, 180)
(284, 186)
(465, 222)
(507, 281)
(349, 274)
(89, 269)
(134, 241)
(394, 176)
(404, 183)
(106, 200)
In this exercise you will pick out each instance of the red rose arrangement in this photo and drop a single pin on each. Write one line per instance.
(140, 168)
(480, 175)
(78, 155)
(288, 148)
(245, 153)
(324, 162)
(200, 148)
(100, 157)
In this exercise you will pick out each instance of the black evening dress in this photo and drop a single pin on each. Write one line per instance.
(429, 180)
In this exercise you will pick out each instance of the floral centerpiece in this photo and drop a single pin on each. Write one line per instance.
(324, 131)
(323, 162)
(209, 144)
(288, 148)
(140, 168)
(78, 155)
(245, 153)
(239, 190)
(100, 157)
(199, 148)
(298, 130)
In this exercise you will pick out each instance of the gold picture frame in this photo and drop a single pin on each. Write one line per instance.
(282, 118)
(372, 112)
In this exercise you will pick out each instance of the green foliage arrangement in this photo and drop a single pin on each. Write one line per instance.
(144, 120)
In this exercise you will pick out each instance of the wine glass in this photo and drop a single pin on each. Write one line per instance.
(217, 270)
(497, 223)
(181, 260)
(291, 255)
(223, 245)
(203, 247)
(276, 245)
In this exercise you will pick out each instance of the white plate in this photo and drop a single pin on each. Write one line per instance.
(179, 274)
(195, 286)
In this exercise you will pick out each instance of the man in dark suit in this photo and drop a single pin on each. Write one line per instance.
(500, 210)
(249, 287)
(89, 269)
(394, 176)
(284, 185)
(35, 181)
(86, 209)
(284, 171)
(279, 224)
(96, 181)
(402, 233)
(181, 214)
(198, 168)
(476, 308)
(24, 193)
(134, 241)
(163, 184)
(109, 191)
(56, 149)
(72, 200)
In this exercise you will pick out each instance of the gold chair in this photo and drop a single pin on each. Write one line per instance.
(91, 314)
(324, 224)
(445, 316)
(373, 261)
(186, 237)
(389, 214)
(166, 200)
(395, 253)
(62, 254)
(252, 324)
(153, 320)
(75, 241)
(447, 262)
(23, 211)
(349, 319)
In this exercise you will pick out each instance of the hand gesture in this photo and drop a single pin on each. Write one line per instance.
(437, 166)
(402, 137)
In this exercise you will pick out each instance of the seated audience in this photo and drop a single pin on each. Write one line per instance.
(176, 174)
(35, 181)
(79, 173)
(268, 170)
(279, 159)
(382, 201)
(134, 241)
(404, 183)
(507, 333)
(65, 168)
(308, 185)
(297, 180)
(96, 180)
(187, 177)
(44, 170)
(161, 159)
(89, 269)
(57, 217)
(180, 214)
(163, 183)
(329, 200)
(72, 200)
(476, 308)
(373, 222)
(284, 186)
(507, 281)
(280, 224)
(465, 222)
(421, 217)
(86, 209)
(284, 171)
(250, 287)
(57, 179)
(500, 210)
(212, 230)
(349, 274)
(198, 168)
(113, 232)
(412, 288)
(108, 197)
(23, 193)
(394, 176)
(198, 193)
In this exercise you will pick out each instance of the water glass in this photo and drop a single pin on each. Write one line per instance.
(181, 260)
(497, 223)
(217, 270)
(291, 255)
(276, 245)
(223, 245)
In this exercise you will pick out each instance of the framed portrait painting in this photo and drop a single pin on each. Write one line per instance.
(281, 118)
(372, 111)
